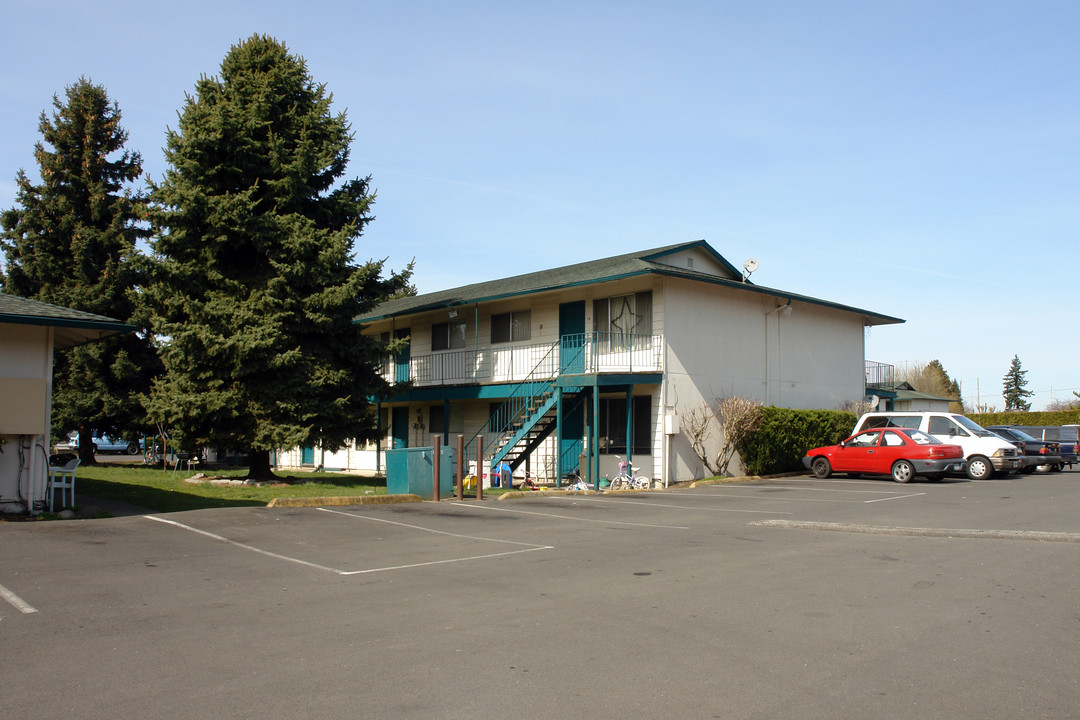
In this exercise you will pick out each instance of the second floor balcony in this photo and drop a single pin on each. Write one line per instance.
(582, 354)
(880, 376)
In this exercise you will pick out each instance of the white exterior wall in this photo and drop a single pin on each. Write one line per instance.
(25, 356)
(721, 342)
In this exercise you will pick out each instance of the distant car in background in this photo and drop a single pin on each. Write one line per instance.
(102, 444)
(1042, 454)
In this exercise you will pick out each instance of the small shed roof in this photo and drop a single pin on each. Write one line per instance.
(73, 327)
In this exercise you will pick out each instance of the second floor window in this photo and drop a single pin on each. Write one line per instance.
(511, 327)
(448, 336)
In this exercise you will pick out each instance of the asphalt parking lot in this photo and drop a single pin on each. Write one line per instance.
(787, 598)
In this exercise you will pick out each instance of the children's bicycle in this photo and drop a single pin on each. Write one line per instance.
(625, 480)
(576, 483)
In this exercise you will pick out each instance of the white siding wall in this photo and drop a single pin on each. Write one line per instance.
(25, 354)
(723, 343)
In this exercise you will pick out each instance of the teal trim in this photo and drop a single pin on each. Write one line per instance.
(609, 380)
(458, 392)
(118, 327)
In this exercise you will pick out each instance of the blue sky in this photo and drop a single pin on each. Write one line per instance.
(918, 159)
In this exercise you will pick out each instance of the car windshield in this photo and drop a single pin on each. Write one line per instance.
(922, 438)
(970, 425)
(1023, 435)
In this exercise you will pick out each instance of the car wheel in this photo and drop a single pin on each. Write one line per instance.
(821, 468)
(133, 448)
(979, 468)
(903, 471)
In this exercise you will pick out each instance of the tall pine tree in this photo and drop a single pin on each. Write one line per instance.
(72, 243)
(255, 285)
(1014, 388)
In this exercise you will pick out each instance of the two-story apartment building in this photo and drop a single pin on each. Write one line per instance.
(583, 364)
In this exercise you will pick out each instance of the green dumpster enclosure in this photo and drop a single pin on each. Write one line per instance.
(410, 470)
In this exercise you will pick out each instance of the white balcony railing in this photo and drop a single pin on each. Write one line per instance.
(586, 353)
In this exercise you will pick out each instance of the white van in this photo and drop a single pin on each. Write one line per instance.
(985, 452)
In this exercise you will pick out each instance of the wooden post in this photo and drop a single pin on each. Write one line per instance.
(435, 468)
(460, 467)
(479, 467)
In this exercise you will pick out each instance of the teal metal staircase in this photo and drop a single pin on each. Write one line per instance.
(530, 414)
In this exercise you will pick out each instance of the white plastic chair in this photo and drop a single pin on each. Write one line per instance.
(62, 479)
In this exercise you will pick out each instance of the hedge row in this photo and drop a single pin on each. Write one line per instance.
(1037, 419)
(784, 435)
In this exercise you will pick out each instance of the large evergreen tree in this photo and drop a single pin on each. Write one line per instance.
(1014, 388)
(72, 243)
(255, 285)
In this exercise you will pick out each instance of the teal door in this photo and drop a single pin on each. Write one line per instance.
(402, 362)
(572, 337)
(399, 427)
(307, 456)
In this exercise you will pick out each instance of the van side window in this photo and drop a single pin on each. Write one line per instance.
(907, 421)
(944, 426)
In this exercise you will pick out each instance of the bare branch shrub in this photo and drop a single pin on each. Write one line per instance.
(697, 425)
(737, 418)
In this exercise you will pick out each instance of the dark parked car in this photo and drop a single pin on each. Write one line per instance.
(900, 452)
(1043, 455)
(1067, 436)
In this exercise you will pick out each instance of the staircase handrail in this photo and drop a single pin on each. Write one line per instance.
(517, 404)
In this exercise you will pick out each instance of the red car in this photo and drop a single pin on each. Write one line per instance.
(900, 452)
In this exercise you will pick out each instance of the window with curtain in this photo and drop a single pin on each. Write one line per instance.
(621, 317)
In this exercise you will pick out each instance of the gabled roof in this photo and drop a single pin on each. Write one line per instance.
(74, 327)
(617, 267)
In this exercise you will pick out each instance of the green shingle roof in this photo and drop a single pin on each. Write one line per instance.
(76, 326)
(588, 273)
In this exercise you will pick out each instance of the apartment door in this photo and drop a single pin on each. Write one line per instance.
(572, 337)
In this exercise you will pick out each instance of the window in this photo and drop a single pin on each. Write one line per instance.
(621, 317)
(943, 426)
(511, 327)
(448, 335)
(891, 439)
(612, 423)
(866, 439)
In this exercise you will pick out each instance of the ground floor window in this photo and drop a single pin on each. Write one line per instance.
(612, 425)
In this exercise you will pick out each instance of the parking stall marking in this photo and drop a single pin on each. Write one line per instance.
(568, 517)
(649, 503)
(17, 602)
(529, 547)
(951, 533)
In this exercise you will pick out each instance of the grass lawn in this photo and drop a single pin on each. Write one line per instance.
(165, 491)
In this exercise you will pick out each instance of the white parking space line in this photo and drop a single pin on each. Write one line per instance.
(245, 546)
(277, 556)
(895, 497)
(533, 546)
(949, 533)
(649, 503)
(464, 506)
(17, 602)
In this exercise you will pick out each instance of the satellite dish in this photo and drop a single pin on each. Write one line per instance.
(874, 400)
(748, 267)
